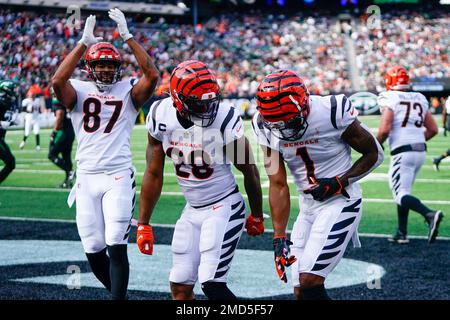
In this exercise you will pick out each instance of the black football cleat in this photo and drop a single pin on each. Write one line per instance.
(436, 163)
(399, 237)
(434, 219)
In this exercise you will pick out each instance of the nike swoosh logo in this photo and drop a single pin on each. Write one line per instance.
(217, 207)
(118, 178)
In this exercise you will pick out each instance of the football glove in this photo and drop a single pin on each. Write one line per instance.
(281, 255)
(52, 136)
(118, 16)
(144, 238)
(254, 226)
(326, 188)
(88, 37)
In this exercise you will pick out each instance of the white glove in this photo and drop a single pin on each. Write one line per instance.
(119, 18)
(88, 37)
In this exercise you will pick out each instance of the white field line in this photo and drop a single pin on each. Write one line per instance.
(171, 226)
(378, 177)
(180, 194)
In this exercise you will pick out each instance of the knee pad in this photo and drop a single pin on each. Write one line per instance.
(217, 291)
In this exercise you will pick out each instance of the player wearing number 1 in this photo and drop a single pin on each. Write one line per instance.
(404, 114)
(200, 134)
(103, 112)
(314, 136)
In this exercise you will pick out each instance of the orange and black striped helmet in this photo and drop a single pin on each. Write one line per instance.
(397, 78)
(282, 100)
(195, 92)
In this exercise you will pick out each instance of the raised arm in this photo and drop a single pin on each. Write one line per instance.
(143, 90)
(64, 91)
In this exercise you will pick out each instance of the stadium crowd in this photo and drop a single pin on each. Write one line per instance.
(238, 47)
(420, 42)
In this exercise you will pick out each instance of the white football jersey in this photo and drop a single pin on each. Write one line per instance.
(103, 122)
(202, 170)
(320, 152)
(32, 106)
(409, 110)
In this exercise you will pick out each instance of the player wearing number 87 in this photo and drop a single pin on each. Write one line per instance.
(403, 116)
(103, 112)
(200, 135)
(314, 136)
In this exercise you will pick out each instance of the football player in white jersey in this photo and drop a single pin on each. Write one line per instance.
(446, 127)
(314, 136)
(199, 135)
(103, 112)
(32, 107)
(404, 115)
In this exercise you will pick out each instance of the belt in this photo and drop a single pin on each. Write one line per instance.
(236, 190)
(409, 147)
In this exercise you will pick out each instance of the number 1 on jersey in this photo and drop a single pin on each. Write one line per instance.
(309, 164)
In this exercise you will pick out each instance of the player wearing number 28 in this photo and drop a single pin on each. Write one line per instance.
(202, 136)
(103, 113)
(314, 136)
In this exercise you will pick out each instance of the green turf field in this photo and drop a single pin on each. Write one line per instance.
(31, 190)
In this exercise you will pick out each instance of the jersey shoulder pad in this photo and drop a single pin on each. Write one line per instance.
(261, 134)
(387, 99)
(229, 122)
(338, 108)
(155, 121)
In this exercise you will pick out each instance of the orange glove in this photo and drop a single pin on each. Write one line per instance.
(254, 226)
(144, 238)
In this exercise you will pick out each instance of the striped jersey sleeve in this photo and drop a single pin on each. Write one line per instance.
(232, 127)
(342, 113)
(258, 130)
(151, 121)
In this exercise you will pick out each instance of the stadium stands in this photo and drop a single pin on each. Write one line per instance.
(241, 48)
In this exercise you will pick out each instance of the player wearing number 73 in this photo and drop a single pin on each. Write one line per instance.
(103, 112)
(404, 114)
(202, 137)
(314, 136)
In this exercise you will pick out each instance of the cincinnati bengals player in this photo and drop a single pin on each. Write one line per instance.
(404, 115)
(314, 136)
(103, 112)
(199, 134)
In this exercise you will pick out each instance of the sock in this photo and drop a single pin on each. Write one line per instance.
(217, 291)
(25, 138)
(99, 263)
(119, 271)
(315, 293)
(411, 202)
(402, 214)
(37, 140)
